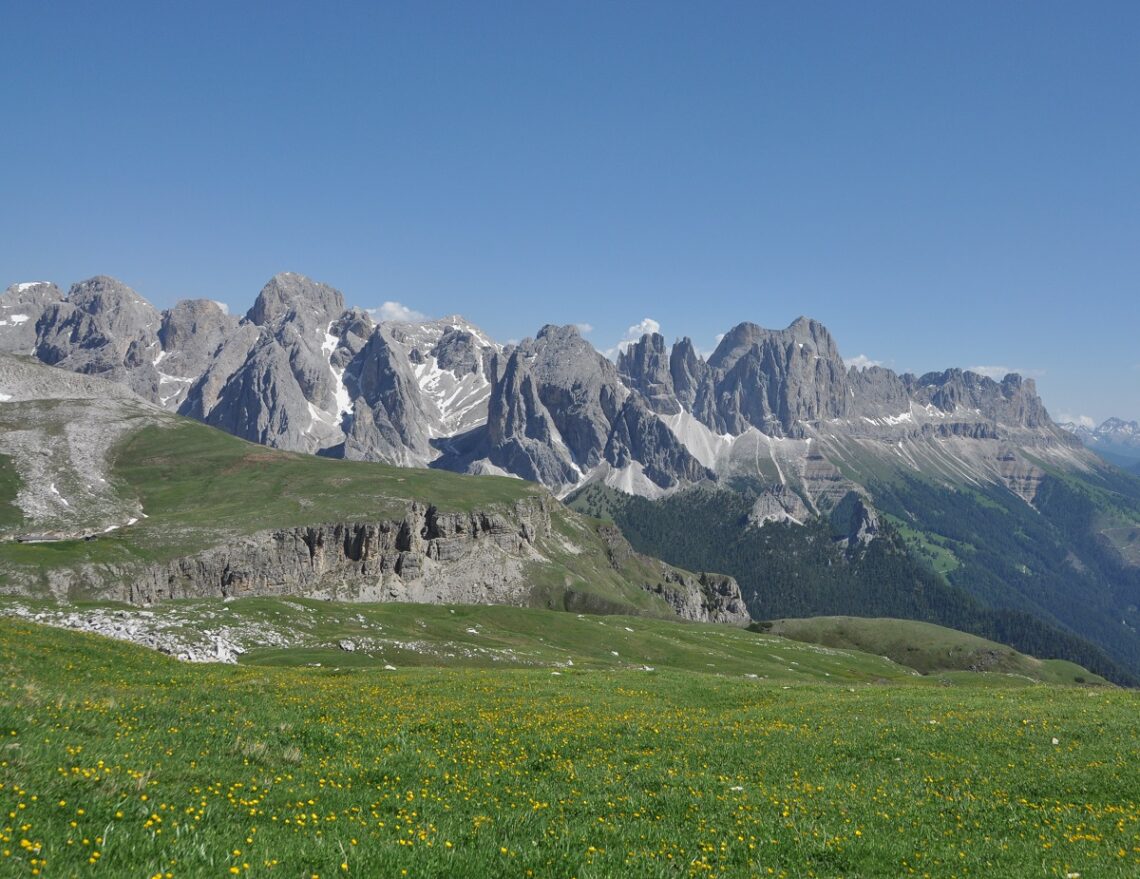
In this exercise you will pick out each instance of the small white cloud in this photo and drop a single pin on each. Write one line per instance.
(396, 311)
(225, 308)
(862, 361)
(1078, 420)
(584, 328)
(646, 325)
(997, 373)
(634, 334)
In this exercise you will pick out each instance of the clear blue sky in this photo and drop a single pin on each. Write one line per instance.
(947, 184)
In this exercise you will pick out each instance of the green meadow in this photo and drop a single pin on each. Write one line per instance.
(116, 761)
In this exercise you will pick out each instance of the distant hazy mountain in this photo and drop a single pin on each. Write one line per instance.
(1115, 440)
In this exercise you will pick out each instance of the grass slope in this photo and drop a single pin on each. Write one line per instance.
(301, 632)
(9, 488)
(927, 648)
(118, 762)
(196, 481)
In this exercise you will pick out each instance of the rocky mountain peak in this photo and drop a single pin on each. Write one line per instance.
(190, 320)
(1119, 427)
(808, 331)
(292, 297)
(559, 334)
(32, 288)
(458, 351)
(774, 380)
(645, 367)
(1013, 401)
(102, 327)
(119, 308)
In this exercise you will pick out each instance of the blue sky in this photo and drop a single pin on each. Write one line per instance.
(942, 185)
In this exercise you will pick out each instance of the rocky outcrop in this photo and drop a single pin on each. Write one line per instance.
(1013, 401)
(204, 393)
(777, 503)
(191, 335)
(693, 382)
(713, 598)
(877, 392)
(261, 402)
(429, 555)
(289, 298)
(558, 410)
(458, 351)
(579, 388)
(167, 634)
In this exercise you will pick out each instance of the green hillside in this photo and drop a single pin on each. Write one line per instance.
(925, 647)
(120, 762)
(1046, 581)
(305, 632)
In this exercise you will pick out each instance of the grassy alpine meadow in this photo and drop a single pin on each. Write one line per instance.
(116, 761)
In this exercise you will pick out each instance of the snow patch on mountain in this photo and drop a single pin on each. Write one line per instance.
(340, 390)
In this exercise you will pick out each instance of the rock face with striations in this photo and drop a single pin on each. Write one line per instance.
(579, 388)
(637, 437)
(1013, 401)
(520, 433)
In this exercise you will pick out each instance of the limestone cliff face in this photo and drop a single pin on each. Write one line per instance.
(428, 555)
(478, 557)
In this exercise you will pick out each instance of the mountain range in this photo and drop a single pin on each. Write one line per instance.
(1114, 439)
(303, 372)
(947, 497)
